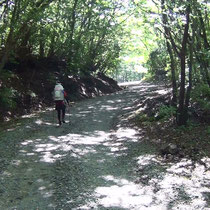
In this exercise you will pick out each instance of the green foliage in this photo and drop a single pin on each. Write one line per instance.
(208, 130)
(141, 117)
(7, 99)
(187, 128)
(149, 77)
(144, 119)
(83, 33)
(201, 94)
(166, 112)
(7, 93)
(157, 63)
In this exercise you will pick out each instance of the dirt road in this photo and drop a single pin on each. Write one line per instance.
(91, 163)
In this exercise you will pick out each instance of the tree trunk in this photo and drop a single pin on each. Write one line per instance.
(9, 42)
(182, 112)
(41, 48)
(206, 46)
(51, 51)
(168, 38)
(173, 76)
(72, 29)
(187, 100)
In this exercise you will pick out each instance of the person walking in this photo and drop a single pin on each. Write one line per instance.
(61, 101)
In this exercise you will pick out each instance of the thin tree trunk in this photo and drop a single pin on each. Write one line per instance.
(187, 101)
(173, 76)
(181, 115)
(41, 47)
(72, 28)
(206, 46)
(168, 38)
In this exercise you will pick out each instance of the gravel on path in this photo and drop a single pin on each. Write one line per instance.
(89, 162)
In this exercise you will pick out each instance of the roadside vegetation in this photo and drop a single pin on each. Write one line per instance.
(180, 117)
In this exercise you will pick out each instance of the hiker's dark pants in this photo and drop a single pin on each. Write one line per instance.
(60, 108)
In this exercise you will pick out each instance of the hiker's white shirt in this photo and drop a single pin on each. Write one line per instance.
(58, 87)
(58, 92)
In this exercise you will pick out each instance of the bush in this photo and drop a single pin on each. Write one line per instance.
(201, 95)
(166, 112)
(7, 93)
(7, 99)
(144, 119)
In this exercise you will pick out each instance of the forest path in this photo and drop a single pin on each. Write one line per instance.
(89, 163)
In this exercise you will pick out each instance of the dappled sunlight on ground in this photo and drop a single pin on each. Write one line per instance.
(162, 186)
(29, 115)
(175, 185)
(41, 122)
(162, 92)
(48, 148)
(125, 133)
(77, 144)
(95, 162)
(123, 194)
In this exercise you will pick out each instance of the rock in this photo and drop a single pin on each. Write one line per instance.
(171, 149)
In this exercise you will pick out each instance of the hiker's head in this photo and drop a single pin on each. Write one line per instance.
(59, 86)
(58, 82)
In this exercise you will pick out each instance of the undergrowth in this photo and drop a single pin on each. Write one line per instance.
(161, 128)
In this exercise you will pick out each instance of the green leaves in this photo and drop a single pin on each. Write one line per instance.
(74, 30)
(201, 94)
(6, 98)
(166, 112)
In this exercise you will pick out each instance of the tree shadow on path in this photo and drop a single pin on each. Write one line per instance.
(85, 164)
